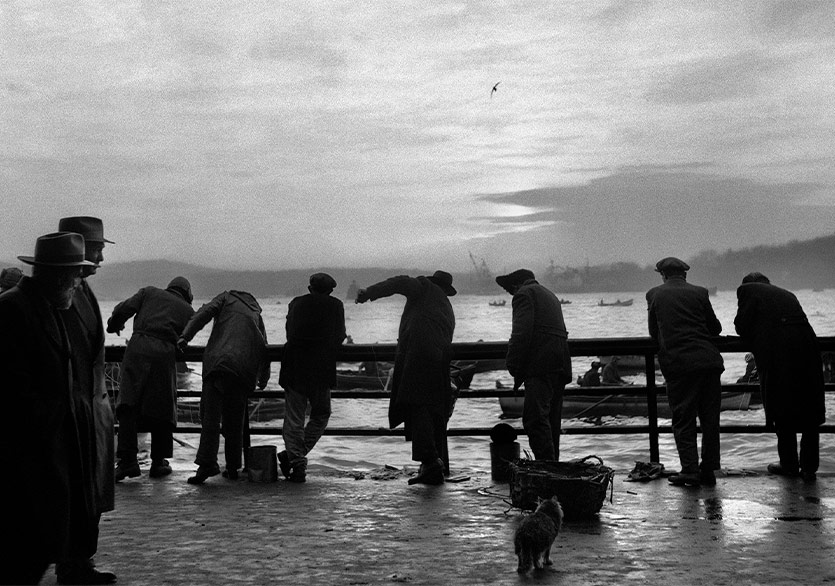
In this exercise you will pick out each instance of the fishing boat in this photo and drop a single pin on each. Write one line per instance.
(617, 303)
(460, 374)
(629, 405)
(500, 303)
(565, 302)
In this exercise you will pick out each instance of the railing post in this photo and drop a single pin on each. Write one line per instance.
(652, 408)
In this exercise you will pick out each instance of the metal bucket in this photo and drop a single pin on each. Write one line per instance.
(262, 464)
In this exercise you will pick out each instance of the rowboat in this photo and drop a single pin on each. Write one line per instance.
(460, 373)
(500, 303)
(629, 405)
(617, 303)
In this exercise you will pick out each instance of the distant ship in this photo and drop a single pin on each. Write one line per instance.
(353, 288)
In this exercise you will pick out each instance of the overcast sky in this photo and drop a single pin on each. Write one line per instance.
(321, 133)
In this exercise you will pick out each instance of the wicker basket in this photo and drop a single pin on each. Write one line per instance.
(580, 485)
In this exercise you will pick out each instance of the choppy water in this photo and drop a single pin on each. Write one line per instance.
(377, 322)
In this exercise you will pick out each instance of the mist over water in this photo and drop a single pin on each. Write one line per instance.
(377, 322)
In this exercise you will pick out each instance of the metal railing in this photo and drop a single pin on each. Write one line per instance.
(470, 351)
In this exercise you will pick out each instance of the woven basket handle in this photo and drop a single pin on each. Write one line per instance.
(599, 461)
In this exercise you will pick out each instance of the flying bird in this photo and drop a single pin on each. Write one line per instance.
(495, 87)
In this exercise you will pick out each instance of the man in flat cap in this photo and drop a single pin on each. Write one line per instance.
(46, 501)
(92, 403)
(682, 322)
(538, 357)
(315, 330)
(788, 358)
(421, 393)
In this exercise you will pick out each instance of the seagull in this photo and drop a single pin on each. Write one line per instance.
(495, 87)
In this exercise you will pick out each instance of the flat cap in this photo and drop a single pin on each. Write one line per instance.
(671, 264)
(322, 282)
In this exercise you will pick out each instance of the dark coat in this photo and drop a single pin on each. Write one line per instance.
(92, 402)
(682, 322)
(315, 330)
(424, 345)
(538, 345)
(238, 342)
(786, 351)
(149, 369)
(39, 436)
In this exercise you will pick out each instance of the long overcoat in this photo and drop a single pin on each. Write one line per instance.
(682, 322)
(424, 345)
(92, 403)
(39, 437)
(787, 354)
(315, 329)
(238, 342)
(538, 345)
(149, 369)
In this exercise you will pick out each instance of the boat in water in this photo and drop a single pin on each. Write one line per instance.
(377, 376)
(628, 405)
(617, 303)
(499, 303)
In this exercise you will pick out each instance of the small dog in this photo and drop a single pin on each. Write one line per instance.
(535, 535)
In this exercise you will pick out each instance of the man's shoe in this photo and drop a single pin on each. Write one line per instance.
(230, 474)
(780, 470)
(297, 475)
(87, 576)
(204, 472)
(809, 476)
(284, 463)
(707, 478)
(685, 479)
(429, 473)
(127, 470)
(160, 468)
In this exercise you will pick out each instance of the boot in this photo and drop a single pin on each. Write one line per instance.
(127, 470)
(204, 472)
(159, 468)
(429, 473)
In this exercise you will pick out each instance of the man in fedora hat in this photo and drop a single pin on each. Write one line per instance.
(538, 357)
(682, 322)
(315, 331)
(421, 392)
(92, 403)
(47, 507)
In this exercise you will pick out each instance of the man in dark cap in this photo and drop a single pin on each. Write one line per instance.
(92, 403)
(788, 358)
(47, 498)
(315, 331)
(538, 357)
(148, 382)
(682, 322)
(421, 393)
(9, 278)
(235, 360)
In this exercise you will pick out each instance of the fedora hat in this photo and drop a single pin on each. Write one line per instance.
(59, 249)
(91, 228)
(515, 278)
(443, 280)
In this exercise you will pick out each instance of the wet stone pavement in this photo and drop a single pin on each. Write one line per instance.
(335, 529)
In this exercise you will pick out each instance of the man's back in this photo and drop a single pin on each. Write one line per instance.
(682, 322)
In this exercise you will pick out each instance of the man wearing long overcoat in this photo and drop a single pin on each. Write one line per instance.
(788, 359)
(92, 403)
(421, 393)
(538, 357)
(681, 320)
(148, 383)
(47, 499)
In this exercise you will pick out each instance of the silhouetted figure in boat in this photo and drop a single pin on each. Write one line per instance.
(591, 378)
(611, 373)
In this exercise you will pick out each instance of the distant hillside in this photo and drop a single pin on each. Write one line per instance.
(808, 264)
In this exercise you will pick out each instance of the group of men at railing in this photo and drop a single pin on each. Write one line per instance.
(57, 429)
